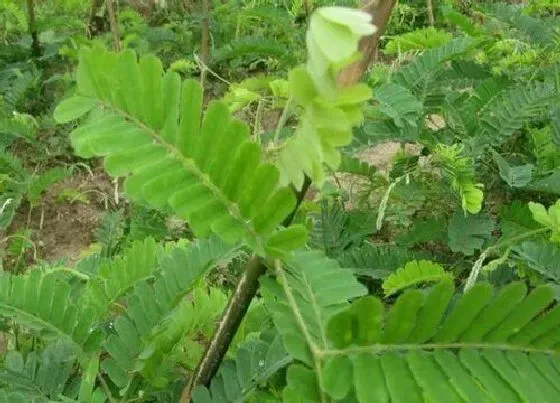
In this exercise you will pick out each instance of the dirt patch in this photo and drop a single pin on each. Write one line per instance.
(64, 224)
(381, 156)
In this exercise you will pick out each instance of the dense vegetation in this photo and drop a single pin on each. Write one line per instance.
(205, 202)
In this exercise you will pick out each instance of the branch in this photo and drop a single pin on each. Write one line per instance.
(233, 315)
(380, 11)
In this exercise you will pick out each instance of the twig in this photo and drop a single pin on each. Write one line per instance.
(475, 271)
(203, 66)
(282, 121)
(106, 388)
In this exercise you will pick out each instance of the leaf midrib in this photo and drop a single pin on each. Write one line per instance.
(32, 320)
(190, 165)
(386, 348)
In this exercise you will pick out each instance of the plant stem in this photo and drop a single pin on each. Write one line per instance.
(90, 28)
(233, 315)
(380, 12)
(106, 388)
(475, 271)
(35, 44)
(72, 272)
(430, 10)
(114, 25)
(205, 37)
(282, 121)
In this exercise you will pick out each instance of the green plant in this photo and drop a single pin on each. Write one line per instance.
(336, 301)
(19, 184)
(209, 174)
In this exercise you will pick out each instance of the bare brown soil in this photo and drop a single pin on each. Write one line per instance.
(63, 227)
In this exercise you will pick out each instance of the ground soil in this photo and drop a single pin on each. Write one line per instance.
(64, 228)
(382, 155)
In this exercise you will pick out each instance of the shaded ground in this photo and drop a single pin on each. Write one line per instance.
(64, 225)
(381, 155)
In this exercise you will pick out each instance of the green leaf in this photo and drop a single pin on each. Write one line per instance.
(42, 375)
(73, 108)
(549, 184)
(399, 104)
(515, 176)
(335, 373)
(257, 360)
(89, 378)
(42, 303)
(420, 39)
(468, 233)
(509, 110)
(427, 66)
(480, 346)
(549, 219)
(210, 174)
(377, 261)
(319, 288)
(302, 386)
(516, 219)
(541, 256)
(291, 238)
(431, 230)
(157, 314)
(414, 273)
(359, 324)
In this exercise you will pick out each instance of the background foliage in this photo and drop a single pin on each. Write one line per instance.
(422, 263)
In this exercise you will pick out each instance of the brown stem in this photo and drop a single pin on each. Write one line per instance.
(233, 315)
(430, 10)
(114, 25)
(205, 37)
(381, 12)
(94, 8)
(35, 44)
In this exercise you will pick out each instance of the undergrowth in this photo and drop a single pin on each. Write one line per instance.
(243, 187)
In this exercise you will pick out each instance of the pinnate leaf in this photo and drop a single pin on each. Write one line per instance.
(414, 273)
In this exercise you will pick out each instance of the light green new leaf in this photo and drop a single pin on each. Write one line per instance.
(420, 39)
(337, 30)
(413, 273)
(329, 111)
(549, 219)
